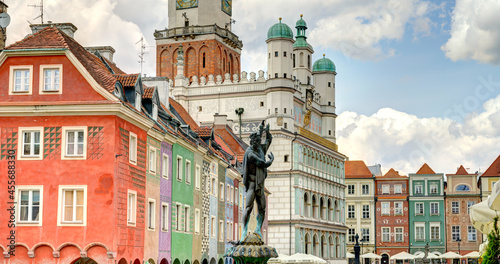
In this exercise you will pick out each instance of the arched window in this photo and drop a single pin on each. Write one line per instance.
(337, 248)
(336, 210)
(330, 210)
(307, 244)
(309, 62)
(301, 59)
(332, 247)
(315, 249)
(322, 208)
(462, 188)
(314, 207)
(306, 205)
(323, 247)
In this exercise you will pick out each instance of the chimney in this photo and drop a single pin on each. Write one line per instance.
(220, 120)
(105, 51)
(68, 28)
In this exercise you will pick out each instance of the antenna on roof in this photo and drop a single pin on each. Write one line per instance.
(143, 51)
(41, 10)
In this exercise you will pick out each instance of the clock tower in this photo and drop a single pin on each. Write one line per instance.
(203, 27)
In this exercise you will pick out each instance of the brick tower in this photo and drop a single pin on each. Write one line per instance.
(204, 30)
(3, 31)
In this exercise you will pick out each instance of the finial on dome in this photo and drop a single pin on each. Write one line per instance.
(323, 55)
(280, 19)
(301, 15)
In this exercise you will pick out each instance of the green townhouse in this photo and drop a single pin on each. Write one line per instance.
(182, 200)
(426, 211)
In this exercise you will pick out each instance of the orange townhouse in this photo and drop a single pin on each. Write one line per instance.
(73, 143)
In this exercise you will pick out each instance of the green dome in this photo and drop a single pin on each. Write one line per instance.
(301, 43)
(279, 30)
(324, 64)
(300, 23)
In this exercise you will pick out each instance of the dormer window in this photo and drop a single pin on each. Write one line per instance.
(138, 101)
(155, 112)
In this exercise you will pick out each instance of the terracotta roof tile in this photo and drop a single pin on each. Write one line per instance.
(183, 114)
(113, 66)
(392, 174)
(461, 171)
(148, 92)
(425, 169)
(494, 169)
(127, 80)
(204, 131)
(356, 169)
(47, 38)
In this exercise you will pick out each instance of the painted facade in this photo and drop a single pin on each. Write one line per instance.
(392, 215)
(462, 192)
(360, 205)
(427, 217)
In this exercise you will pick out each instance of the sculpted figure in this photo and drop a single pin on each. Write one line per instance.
(254, 173)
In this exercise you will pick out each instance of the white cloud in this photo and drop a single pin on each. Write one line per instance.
(475, 32)
(405, 142)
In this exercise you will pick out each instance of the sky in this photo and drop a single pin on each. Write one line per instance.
(417, 81)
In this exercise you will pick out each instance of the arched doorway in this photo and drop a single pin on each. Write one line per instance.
(84, 261)
(205, 261)
(164, 261)
(137, 261)
(124, 261)
(151, 261)
(385, 259)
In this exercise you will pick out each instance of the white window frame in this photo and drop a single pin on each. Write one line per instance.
(418, 212)
(419, 189)
(187, 171)
(455, 232)
(64, 146)
(12, 77)
(132, 148)
(197, 177)
(399, 231)
(351, 191)
(131, 208)
(221, 191)
(455, 207)
(367, 189)
(236, 192)
(349, 212)
(470, 233)
(164, 217)
(138, 101)
(398, 210)
(221, 230)
(241, 201)
(213, 228)
(434, 225)
(178, 218)
(232, 194)
(420, 225)
(351, 233)
(152, 159)
(60, 203)
(20, 145)
(386, 189)
(430, 208)
(398, 189)
(365, 211)
(164, 166)
(206, 230)
(17, 200)
(178, 176)
(433, 187)
(228, 193)
(386, 208)
(366, 233)
(187, 214)
(197, 220)
(43, 68)
(469, 204)
(151, 214)
(386, 231)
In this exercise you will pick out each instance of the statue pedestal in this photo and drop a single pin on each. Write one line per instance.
(251, 250)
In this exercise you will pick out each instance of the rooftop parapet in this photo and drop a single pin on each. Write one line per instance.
(192, 31)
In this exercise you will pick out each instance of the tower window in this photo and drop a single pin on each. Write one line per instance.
(329, 84)
(286, 158)
(269, 55)
(293, 58)
(329, 103)
(329, 132)
(186, 23)
(261, 103)
(275, 54)
(200, 108)
(275, 110)
(275, 75)
(284, 110)
(224, 64)
(285, 125)
(203, 59)
(284, 75)
(308, 80)
(284, 53)
(309, 61)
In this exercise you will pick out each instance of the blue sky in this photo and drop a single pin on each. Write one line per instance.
(418, 81)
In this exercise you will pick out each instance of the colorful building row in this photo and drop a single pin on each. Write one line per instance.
(108, 168)
(407, 213)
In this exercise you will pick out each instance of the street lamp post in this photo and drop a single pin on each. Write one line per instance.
(458, 240)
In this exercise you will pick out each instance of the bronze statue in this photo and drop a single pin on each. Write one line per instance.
(254, 173)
